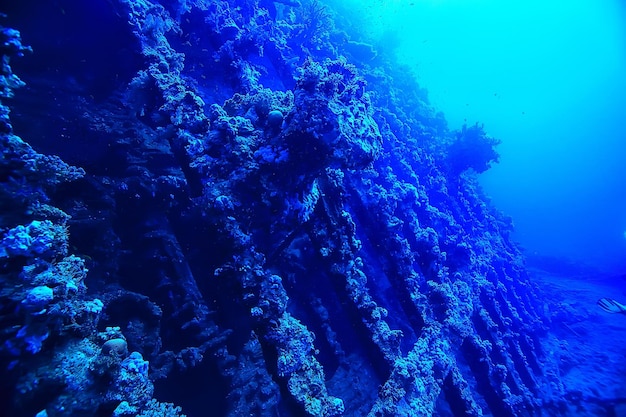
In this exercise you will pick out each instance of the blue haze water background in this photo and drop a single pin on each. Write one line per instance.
(548, 78)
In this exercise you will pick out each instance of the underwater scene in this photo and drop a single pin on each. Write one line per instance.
(292, 208)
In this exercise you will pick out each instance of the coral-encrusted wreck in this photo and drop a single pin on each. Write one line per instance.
(271, 227)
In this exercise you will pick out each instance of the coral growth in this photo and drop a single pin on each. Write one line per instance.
(269, 230)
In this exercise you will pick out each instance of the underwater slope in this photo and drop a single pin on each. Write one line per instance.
(269, 219)
(588, 341)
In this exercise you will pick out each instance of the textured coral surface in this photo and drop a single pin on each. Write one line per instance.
(257, 216)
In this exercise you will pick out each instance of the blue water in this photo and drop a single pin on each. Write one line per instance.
(313, 208)
(548, 79)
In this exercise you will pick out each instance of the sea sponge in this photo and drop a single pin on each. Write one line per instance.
(117, 347)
